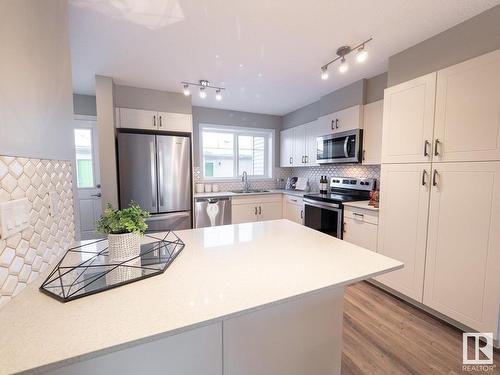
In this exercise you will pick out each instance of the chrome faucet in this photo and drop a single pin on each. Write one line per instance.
(246, 184)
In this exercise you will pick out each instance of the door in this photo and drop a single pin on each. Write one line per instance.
(294, 212)
(138, 119)
(462, 276)
(467, 124)
(402, 232)
(409, 121)
(87, 175)
(312, 133)
(244, 213)
(349, 119)
(137, 170)
(372, 133)
(174, 173)
(271, 210)
(299, 145)
(175, 122)
(286, 148)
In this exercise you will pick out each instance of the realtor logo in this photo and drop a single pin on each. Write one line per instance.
(483, 349)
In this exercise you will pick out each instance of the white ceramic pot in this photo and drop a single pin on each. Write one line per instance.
(124, 246)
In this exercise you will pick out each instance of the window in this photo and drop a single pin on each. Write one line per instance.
(227, 152)
(84, 162)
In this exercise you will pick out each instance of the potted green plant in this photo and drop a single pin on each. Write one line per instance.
(124, 229)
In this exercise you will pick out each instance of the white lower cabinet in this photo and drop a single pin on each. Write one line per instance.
(462, 274)
(402, 231)
(252, 208)
(293, 208)
(361, 227)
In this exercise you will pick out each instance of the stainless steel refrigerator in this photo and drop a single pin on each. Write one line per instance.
(155, 172)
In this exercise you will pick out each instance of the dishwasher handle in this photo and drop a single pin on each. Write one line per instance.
(211, 200)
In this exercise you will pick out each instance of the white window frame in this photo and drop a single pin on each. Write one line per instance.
(269, 150)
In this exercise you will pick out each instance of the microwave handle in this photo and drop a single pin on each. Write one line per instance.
(346, 145)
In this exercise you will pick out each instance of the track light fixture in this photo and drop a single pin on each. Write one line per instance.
(342, 52)
(203, 84)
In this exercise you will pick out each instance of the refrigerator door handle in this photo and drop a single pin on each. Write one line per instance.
(160, 177)
(153, 173)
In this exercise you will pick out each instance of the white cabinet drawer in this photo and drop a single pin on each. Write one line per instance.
(257, 198)
(360, 233)
(293, 199)
(361, 215)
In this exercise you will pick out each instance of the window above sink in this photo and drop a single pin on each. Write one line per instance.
(228, 151)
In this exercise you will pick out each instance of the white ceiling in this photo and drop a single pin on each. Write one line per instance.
(267, 53)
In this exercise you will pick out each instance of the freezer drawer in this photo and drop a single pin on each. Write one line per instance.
(211, 212)
(170, 221)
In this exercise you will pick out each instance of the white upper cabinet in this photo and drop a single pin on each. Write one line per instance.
(136, 118)
(152, 120)
(286, 147)
(299, 145)
(409, 120)
(175, 122)
(346, 119)
(467, 125)
(462, 275)
(372, 132)
(402, 231)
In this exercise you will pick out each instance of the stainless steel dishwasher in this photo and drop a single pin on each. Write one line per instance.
(211, 212)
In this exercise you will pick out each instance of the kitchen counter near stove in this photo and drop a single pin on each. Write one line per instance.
(221, 194)
(361, 204)
(237, 297)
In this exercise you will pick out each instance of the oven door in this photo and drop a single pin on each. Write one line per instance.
(322, 216)
(340, 147)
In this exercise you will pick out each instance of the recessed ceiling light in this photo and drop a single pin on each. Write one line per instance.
(241, 65)
(260, 74)
(216, 56)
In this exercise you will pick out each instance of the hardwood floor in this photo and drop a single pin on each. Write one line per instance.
(384, 335)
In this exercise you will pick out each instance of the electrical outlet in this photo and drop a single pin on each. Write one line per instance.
(14, 217)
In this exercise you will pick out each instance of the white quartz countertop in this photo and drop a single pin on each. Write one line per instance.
(222, 271)
(361, 204)
(221, 194)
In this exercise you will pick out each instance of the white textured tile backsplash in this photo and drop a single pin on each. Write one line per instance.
(312, 173)
(25, 255)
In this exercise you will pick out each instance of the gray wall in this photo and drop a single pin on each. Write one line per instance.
(342, 98)
(375, 87)
(36, 105)
(84, 105)
(203, 115)
(360, 92)
(474, 37)
(152, 100)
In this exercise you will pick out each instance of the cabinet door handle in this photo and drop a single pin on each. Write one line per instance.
(345, 227)
(154, 120)
(160, 121)
(333, 126)
(436, 143)
(301, 214)
(426, 145)
(424, 173)
(307, 159)
(364, 152)
(291, 160)
(336, 123)
(434, 180)
(255, 210)
(260, 210)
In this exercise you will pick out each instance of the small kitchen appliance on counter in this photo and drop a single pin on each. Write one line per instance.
(325, 212)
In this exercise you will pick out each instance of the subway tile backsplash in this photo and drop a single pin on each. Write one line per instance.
(25, 255)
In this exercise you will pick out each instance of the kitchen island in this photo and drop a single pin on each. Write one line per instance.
(256, 298)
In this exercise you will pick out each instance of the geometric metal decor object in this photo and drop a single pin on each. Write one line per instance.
(87, 269)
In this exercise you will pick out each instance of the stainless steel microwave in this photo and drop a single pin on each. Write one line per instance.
(344, 147)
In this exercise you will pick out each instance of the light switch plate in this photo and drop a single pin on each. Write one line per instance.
(55, 203)
(14, 217)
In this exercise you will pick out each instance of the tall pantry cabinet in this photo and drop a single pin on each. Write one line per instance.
(440, 190)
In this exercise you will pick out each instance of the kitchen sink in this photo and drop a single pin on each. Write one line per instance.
(250, 191)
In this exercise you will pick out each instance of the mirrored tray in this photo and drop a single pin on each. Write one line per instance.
(87, 269)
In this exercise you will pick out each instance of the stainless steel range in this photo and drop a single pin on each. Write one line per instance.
(325, 212)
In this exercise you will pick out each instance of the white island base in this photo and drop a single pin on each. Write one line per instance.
(297, 337)
(255, 298)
